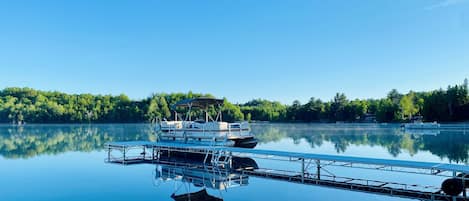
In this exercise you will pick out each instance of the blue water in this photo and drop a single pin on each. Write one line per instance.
(66, 162)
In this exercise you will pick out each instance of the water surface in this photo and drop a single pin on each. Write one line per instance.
(66, 162)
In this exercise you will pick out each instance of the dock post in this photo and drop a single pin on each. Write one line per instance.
(302, 170)
(108, 154)
(158, 154)
(464, 193)
(123, 160)
(230, 162)
(318, 165)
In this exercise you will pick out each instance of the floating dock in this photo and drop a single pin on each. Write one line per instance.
(313, 167)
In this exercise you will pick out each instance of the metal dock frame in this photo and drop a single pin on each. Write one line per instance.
(221, 157)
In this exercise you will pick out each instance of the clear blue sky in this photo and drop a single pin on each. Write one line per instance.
(239, 49)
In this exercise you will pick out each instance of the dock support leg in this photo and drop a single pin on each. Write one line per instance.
(123, 160)
(464, 191)
(230, 162)
(108, 154)
(158, 154)
(302, 170)
(318, 165)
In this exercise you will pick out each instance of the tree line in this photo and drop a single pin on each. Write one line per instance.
(19, 105)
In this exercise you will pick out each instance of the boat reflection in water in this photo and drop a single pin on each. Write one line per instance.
(189, 171)
(199, 195)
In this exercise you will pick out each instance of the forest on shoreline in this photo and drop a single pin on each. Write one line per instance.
(26, 105)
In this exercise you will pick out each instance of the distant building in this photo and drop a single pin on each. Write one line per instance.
(417, 118)
(368, 118)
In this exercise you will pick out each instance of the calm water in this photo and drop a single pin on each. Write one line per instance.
(66, 162)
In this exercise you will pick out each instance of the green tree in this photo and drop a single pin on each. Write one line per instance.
(153, 111)
(231, 112)
(407, 106)
(338, 105)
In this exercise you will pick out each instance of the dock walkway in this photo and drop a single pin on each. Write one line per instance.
(312, 167)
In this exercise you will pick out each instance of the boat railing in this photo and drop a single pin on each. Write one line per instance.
(238, 128)
(227, 130)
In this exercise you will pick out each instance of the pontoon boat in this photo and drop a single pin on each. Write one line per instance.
(206, 130)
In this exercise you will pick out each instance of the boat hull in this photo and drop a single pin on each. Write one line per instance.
(195, 159)
(249, 142)
(246, 142)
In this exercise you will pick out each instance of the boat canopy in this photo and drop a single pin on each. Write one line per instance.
(202, 102)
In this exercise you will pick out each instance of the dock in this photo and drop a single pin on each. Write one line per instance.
(312, 168)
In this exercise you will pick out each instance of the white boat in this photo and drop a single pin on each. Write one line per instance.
(422, 125)
(206, 130)
(418, 124)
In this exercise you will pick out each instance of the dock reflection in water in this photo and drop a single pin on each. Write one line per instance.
(192, 172)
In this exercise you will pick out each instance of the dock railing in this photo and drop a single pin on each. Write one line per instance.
(314, 168)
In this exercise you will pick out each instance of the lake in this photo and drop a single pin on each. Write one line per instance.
(66, 162)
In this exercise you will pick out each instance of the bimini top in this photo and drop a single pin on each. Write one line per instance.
(202, 102)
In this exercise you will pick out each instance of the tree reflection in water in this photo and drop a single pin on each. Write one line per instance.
(32, 140)
(453, 145)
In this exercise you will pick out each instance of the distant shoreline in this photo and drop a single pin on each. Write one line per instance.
(252, 123)
(26, 105)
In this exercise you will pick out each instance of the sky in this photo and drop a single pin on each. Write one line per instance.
(239, 49)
